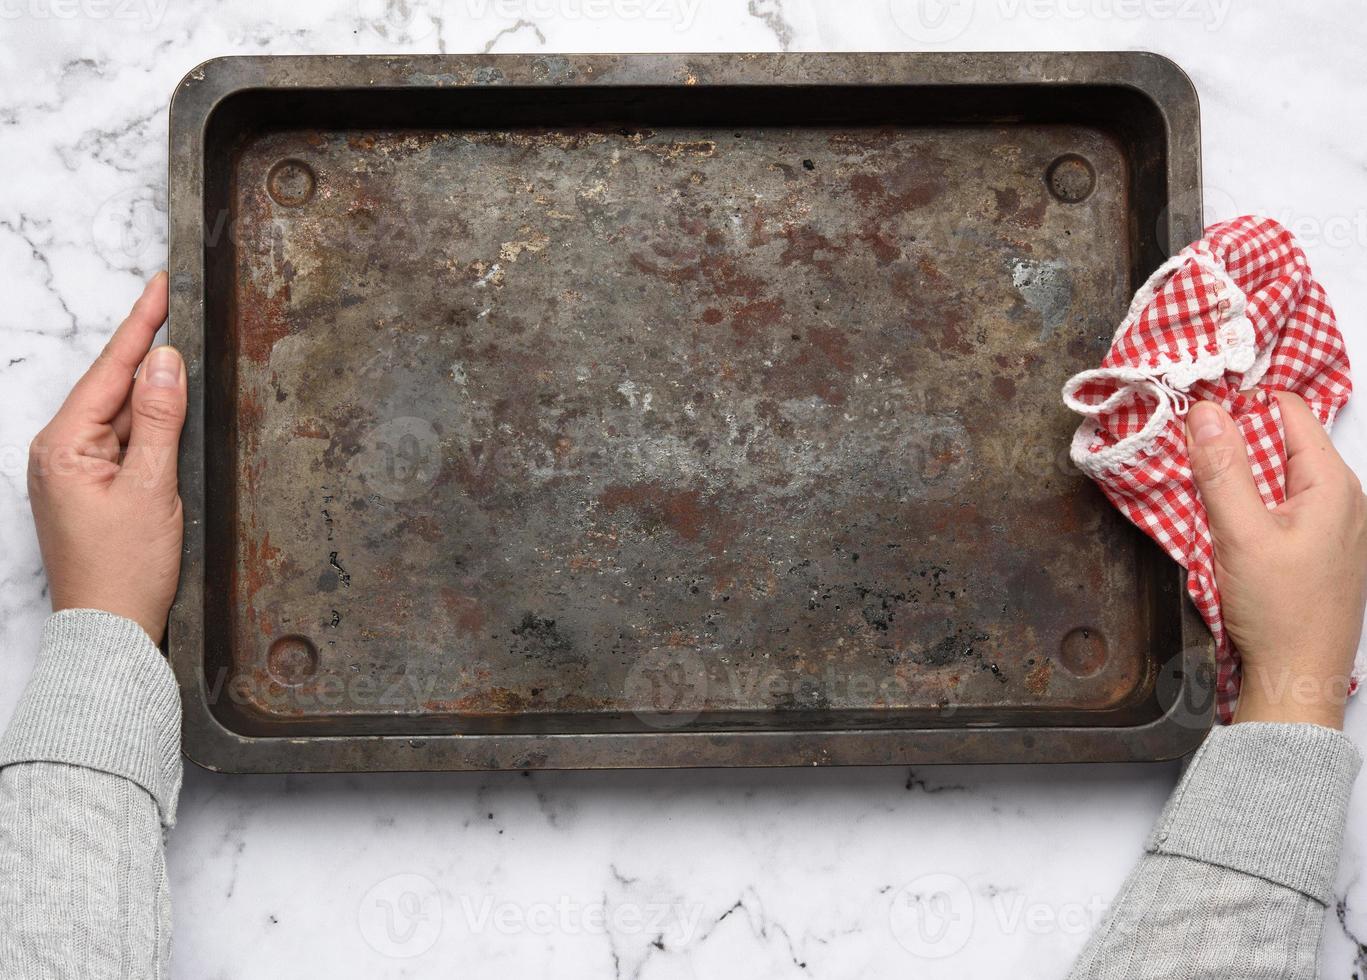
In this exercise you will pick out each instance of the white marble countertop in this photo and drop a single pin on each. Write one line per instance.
(630, 874)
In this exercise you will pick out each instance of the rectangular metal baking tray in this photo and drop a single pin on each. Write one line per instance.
(667, 410)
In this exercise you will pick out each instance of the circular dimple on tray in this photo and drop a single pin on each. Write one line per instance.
(291, 183)
(1071, 178)
(292, 660)
(1083, 651)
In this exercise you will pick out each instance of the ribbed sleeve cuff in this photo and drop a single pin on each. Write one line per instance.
(102, 696)
(1266, 799)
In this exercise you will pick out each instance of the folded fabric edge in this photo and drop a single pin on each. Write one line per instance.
(1168, 382)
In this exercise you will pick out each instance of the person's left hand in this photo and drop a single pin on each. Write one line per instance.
(102, 477)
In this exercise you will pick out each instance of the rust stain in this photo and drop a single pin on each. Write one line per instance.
(680, 510)
(263, 320)
(727, 279)
(258, 569)
(874, 194)
(834, 345)
(885, 247)
(751, 318)
(677, 275)
(423, 527)
(1037, 680)
(804, 242)
(467, 611)
(1008, 207)
(309, 429)
(952, 335)
(688, 513)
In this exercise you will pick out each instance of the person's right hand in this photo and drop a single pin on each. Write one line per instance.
(1292, 580)
(102, 477)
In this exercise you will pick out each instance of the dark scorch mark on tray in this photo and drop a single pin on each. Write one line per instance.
(540, 640)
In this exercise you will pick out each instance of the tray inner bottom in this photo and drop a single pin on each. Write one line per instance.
(600, 428)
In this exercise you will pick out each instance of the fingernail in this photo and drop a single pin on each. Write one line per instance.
(163, 367)
(1206, 422)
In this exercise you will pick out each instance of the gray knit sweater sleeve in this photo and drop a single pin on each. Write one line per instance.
(1240, 866)
(89, 775)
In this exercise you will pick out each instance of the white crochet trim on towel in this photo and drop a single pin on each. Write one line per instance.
(1167, 383)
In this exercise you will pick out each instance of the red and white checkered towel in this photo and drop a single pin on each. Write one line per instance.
(1236, 309)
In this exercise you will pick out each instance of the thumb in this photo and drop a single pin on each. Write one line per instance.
(158, 414)
(1220, 467)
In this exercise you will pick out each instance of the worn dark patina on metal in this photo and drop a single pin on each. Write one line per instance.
(667, 410)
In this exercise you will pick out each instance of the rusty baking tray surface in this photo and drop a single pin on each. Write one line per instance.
(667, 410)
